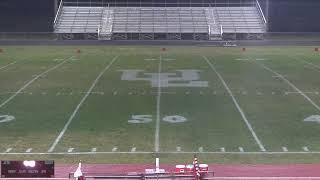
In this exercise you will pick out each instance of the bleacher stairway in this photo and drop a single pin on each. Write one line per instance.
(159, 23)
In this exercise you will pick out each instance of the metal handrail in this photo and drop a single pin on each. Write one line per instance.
(138, 4)
(261, 12)
(58, 13)
(221, 30)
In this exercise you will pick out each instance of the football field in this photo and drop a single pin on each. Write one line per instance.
(120, 102)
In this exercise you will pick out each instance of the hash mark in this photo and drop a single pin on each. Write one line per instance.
(241, 149)
(284, 149)
(8, 150)
(70, 150)
(29, 150)
(178, 148)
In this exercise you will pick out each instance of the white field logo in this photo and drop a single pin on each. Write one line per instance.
(187, 78)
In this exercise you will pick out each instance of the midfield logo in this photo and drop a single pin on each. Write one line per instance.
(182, 78)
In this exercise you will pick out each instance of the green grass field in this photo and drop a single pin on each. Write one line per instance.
(129, 104)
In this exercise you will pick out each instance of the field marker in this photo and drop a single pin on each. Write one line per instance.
(8, 150)
(292, 85)
(31, 81)
(29, 150)
(305, 148)
(157, 132)
(241, 149)
(133, 149)
(80, 104)
(200, 149)
(237, 105)
(284, 149)
(94, 150)
(222, 149)
(178, 148)
(3, 67)
(114, 149)
(70, 150)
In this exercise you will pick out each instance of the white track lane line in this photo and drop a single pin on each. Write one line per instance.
(79, 105)
(244, 117)
(31, 81)
(157, 132)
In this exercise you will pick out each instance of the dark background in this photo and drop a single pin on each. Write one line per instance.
(38, 15)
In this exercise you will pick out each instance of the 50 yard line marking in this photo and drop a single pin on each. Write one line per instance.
(57, 140)
(262, 148)
(157, 132)
(32, 80)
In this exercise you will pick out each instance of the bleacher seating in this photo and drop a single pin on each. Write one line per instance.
(152, 22)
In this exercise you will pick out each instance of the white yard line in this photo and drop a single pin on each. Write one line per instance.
(79, 105)
(157, 132)
(262, 148)
(3, 67)
(31, 81)
(292, 85)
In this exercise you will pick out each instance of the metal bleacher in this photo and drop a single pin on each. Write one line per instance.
(159, 23)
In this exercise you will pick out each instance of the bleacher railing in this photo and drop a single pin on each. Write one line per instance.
(261, 12)
(157, 4)
(58, 14)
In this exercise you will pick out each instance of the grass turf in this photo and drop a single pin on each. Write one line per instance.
(273, 108)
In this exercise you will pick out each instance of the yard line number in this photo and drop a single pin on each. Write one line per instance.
(143, 119)
(6, 118)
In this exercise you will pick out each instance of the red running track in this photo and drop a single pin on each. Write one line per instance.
(221, 170)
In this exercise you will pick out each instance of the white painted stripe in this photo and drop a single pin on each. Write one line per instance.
(3, 67)
(241, 149)
(200, 149)
(114, 149)
(222, 149)
(133, 149)
(70, 150)
(8, 150)
(237, 105)
(292, 85)
(307, 62)
(80, 104)
(31, 81)
(284, 149)
(157, 131)
(178, 148)
(29, 150)
(94, 150)
(305, 148)
(165, 152)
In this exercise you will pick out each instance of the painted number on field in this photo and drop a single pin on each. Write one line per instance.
(143, 119)
(6, 118)
(140, 119)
